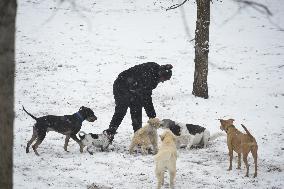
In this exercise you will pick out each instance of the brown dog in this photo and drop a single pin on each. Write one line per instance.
(240, 143)
(146, 136)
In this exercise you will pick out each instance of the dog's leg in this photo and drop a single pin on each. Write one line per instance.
(230, 148)
(160, 178)
(163, 178)
(245, 159)
(189, 143)
(88, 150)
(39, 140)
(34, 136)
(231, 159)
(178, 142)
(144, 149)
(205, 138)
(155, 145)
(239, 160)
(74, 137)
(131, 147)
(254, 155)
(66, 142)
(205, 142)
(172, 178)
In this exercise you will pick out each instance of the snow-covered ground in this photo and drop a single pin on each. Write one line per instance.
(68, 56)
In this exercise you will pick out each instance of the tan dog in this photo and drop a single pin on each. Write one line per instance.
(146, 136)
(240, 143)
(166, 158)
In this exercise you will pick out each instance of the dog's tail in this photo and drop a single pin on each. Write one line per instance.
(216, 135)
(35, 118)
(247, 131)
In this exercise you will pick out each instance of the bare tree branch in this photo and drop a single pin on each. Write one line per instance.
(261, 8)
(176, 5)
(257, 6)
(186, 27)
(75, 7)
(234, 15)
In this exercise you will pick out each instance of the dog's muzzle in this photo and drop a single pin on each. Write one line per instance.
(92, 119)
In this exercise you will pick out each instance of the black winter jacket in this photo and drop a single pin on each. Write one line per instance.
(138, 82)
(140, 79)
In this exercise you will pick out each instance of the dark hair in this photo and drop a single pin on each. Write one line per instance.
(166, 71)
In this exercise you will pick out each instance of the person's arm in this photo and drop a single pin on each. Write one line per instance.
(148, 105)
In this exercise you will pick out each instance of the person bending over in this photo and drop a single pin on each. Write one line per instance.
(133, 89)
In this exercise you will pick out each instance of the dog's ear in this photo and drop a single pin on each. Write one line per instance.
(82, 108)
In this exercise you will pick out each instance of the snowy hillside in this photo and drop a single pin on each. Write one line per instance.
(68, 56)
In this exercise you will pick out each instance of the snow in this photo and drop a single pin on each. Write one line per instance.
(68, 56)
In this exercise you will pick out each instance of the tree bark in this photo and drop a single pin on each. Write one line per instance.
(200, 87)
(7, 72)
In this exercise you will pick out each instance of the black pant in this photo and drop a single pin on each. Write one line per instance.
(122, 102)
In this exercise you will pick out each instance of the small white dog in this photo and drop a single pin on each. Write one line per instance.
(146, 136)
(94, 141)
(190, 135)
(166, 158)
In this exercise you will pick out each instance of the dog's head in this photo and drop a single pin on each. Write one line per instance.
(168, 136)
(87, 114)
(169, 124)
(154, 122)
(225, 124)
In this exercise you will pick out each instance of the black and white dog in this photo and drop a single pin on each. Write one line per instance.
(189, 135)
(95, 141)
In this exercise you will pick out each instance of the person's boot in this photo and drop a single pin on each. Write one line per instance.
(110, 134)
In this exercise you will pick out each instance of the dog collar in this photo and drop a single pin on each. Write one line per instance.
(79, 116)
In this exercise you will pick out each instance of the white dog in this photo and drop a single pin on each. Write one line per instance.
(189, 134)
(166, 158)
(146, 136)
(94, 141)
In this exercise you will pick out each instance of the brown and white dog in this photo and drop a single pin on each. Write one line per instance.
(166, 158)
(240, 143)
(146, 136)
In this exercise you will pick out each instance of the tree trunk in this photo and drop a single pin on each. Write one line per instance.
(200, 87)
(7, 72)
